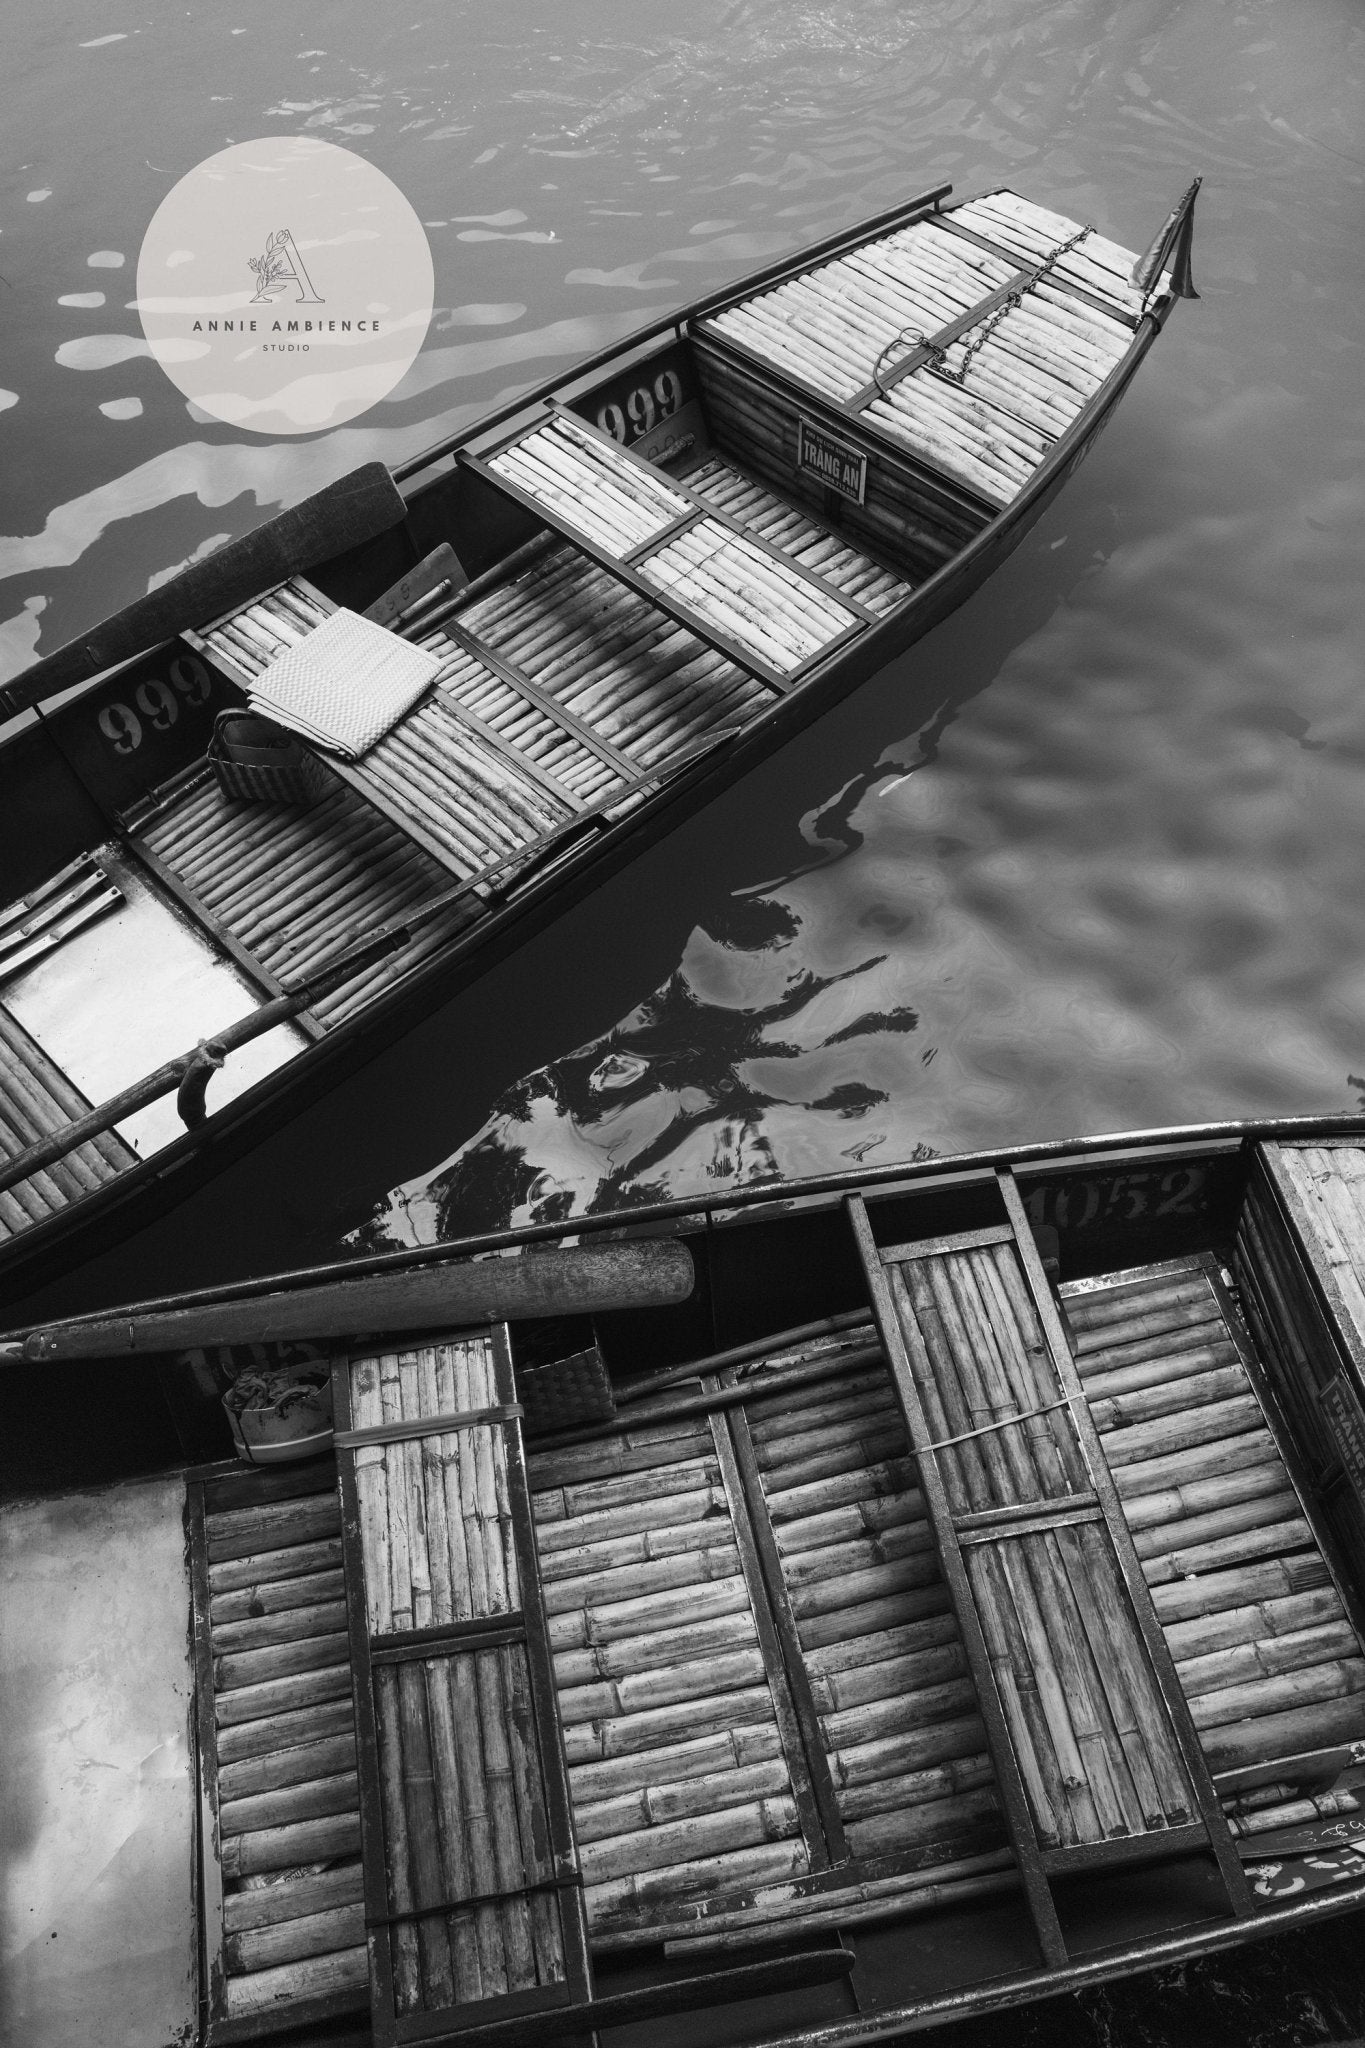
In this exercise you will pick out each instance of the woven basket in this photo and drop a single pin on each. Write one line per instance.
(261, 763)
(566, 1393)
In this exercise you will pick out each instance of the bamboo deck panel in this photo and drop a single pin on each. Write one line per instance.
(1086, 1719)
(896, 1702)
(681, 1789)
(1263, 1646)
(472, 1890)
(1042, 326)
(281, 1841)
(1094, 1747)
(600, 652)
(761, 601)
(37, 1098)
(1322, 1191)
(292, 887)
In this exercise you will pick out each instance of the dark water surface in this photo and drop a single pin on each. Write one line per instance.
(1088, 858)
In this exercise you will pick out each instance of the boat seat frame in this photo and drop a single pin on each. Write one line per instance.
(1039, 1866)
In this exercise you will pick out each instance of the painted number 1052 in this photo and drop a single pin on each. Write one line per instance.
(155, 703)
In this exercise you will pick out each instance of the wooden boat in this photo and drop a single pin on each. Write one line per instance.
(630, 585)
(905, 1595)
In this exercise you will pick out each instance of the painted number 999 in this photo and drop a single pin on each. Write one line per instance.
(642, 409)
(156, 704)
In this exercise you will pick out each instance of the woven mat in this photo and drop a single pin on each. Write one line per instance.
(345, 686)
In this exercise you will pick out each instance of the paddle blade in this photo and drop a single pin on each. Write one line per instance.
(441, 1295)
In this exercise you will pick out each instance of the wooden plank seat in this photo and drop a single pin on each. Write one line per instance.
(37, 1098)
(1263, 1645)
(280, 1841)
(1094, 1747)
(972, 339)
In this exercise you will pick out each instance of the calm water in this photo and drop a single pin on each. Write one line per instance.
(1090, 857)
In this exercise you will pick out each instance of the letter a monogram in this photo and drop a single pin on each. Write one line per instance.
(280, 267)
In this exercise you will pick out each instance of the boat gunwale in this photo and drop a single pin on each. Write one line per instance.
(1098, 1966)
(718, 1212)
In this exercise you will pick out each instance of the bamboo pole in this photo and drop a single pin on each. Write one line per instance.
(292, 1898)
(860, 1518)
(286, 1728)
(1196, 1463)
(652, 1728)
(510, 1859)
(1170, 1398)
(1288, 1689)
(1278, 1508)
(653, 1805)
(1061, 1808)
(959, 1822)
(661, 1647)
(900, 1640)
(1276, 1538)
(279, 1806)
(1154, 1759)
(690, 1840)
(277, 1770)
(546, 1914)
(1209, 1423)
(403, 1951)
(888, 1678)
(681, 1493)
(1276, 1615)
(626, 1901)
(1330, 1643)
(726, 1751)
(1147, 1308)
(1154, 1512)
(661, 1686)
(599, 1462)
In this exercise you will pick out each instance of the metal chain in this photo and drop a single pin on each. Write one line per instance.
(1015, 298)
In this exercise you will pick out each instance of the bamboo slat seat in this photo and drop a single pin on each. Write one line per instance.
(293, 887)
(897, 1706)
(37, 1098)
(761, 604)
(1094, 1744)
(681, 1791)
(1261, 1638)
(282, 1877)
(1007, 318)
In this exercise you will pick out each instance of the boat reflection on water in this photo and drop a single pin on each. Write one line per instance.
(748, 1063)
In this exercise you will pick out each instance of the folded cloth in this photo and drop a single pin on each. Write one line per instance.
(345, 685)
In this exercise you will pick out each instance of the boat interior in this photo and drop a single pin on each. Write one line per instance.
(607, 584)
(956, 1599)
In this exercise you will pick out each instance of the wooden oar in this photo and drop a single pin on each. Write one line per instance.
(571, 1280)
(343, 515)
